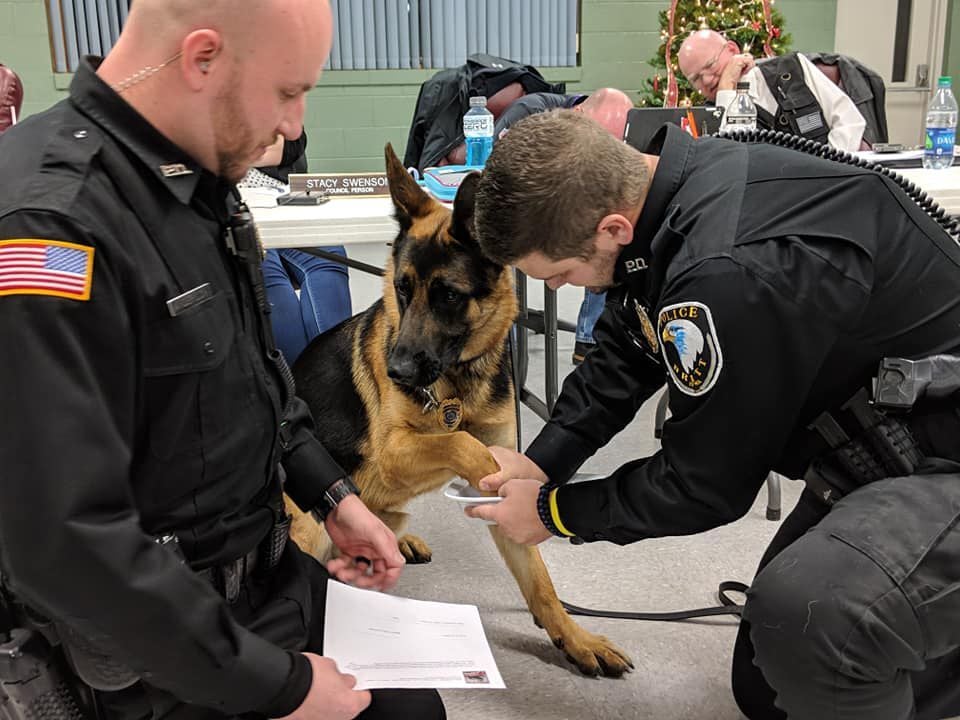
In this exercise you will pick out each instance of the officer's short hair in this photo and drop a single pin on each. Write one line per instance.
(549, 182)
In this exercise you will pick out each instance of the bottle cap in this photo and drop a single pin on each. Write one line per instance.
(743, 85)
(944, 81)
(478, 101)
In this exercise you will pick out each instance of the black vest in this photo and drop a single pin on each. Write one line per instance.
(798, 111)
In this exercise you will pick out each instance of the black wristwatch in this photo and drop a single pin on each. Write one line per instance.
(332, 497)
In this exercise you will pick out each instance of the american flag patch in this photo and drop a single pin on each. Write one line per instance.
(45, 267)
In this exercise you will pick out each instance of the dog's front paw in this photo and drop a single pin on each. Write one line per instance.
(483, 465)
(594, 655)
(414, 549)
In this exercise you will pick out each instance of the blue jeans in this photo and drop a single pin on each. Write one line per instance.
(324, 296)
(590, 310)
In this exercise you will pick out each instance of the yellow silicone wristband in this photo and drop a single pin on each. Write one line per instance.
(555, 513)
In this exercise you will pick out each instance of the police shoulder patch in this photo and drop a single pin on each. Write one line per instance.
(690, 346)
(32, 266)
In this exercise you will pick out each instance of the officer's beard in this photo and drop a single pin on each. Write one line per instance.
(233, 137)
(603, 265)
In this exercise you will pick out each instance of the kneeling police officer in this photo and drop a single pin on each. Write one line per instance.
(782, 297)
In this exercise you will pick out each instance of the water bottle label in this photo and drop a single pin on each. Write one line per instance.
(740, 120)
(939, 141)
(478, 124)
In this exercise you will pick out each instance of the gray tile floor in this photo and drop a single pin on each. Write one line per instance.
(682, 669)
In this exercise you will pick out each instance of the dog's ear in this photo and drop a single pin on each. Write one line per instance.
(461, 227)
(409, 199)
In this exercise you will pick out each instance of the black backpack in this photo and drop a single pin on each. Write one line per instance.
(437, 125)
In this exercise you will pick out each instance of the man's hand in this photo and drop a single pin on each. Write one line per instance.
(517, 513)
(512, 465)
(738, 66)
(331, 695)
(358, 533)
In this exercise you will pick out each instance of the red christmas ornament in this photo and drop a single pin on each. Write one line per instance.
(755, 25)
(776, 32)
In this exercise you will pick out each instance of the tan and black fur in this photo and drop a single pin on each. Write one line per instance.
(409, 393)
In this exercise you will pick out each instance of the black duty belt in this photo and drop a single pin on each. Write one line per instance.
(883, 444)
(227, 578)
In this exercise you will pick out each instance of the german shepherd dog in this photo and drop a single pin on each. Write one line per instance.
(409, 393)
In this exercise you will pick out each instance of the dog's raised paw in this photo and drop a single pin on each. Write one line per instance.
(414, 549)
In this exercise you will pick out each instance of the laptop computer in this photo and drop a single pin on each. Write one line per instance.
(643, 123)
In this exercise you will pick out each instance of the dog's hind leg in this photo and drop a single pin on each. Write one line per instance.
(592, 654)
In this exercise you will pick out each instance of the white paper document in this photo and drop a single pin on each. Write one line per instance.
(394, 642)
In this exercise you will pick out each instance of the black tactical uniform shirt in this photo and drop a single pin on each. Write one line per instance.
(768, 284)
(126, 417)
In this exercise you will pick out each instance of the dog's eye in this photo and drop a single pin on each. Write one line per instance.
(402, 287)
(452, 297)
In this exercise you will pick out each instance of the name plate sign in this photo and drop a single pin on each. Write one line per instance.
(341, 184)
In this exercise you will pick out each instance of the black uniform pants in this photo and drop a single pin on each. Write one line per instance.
(855, 613)
(266, 608)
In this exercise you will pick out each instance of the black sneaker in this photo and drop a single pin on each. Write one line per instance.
(580, 350)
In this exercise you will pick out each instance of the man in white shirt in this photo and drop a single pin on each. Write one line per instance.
(791, 94)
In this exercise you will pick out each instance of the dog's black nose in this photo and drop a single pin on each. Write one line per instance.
(418, 369)
(402, 369)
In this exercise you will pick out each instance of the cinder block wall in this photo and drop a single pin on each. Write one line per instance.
(351, 114)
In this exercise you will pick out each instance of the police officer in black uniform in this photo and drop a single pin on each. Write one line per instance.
(148, 421)
(766, 285)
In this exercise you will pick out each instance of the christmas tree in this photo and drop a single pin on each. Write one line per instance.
(754, 25)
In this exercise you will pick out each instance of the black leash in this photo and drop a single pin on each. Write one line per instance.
(728, 606)
(349, 262)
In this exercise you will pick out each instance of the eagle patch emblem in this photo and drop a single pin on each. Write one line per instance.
(690, 347)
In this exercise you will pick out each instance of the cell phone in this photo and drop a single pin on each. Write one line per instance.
(303, 198)
(889, 147)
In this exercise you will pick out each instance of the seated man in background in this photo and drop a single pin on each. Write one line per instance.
(821, 110)
(324, 284)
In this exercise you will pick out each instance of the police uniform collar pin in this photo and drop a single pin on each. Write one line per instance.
(170, 170)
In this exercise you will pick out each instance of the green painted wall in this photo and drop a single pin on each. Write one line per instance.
(951, 56)
(351, 114)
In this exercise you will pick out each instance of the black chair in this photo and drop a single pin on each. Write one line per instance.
(863, 86)
(11, 98)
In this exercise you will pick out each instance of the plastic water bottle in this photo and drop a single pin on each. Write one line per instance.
(741, 114)
(478, 131)
(941, 128)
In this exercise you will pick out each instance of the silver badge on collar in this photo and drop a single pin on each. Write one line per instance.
(690, 346)
(175, 170)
